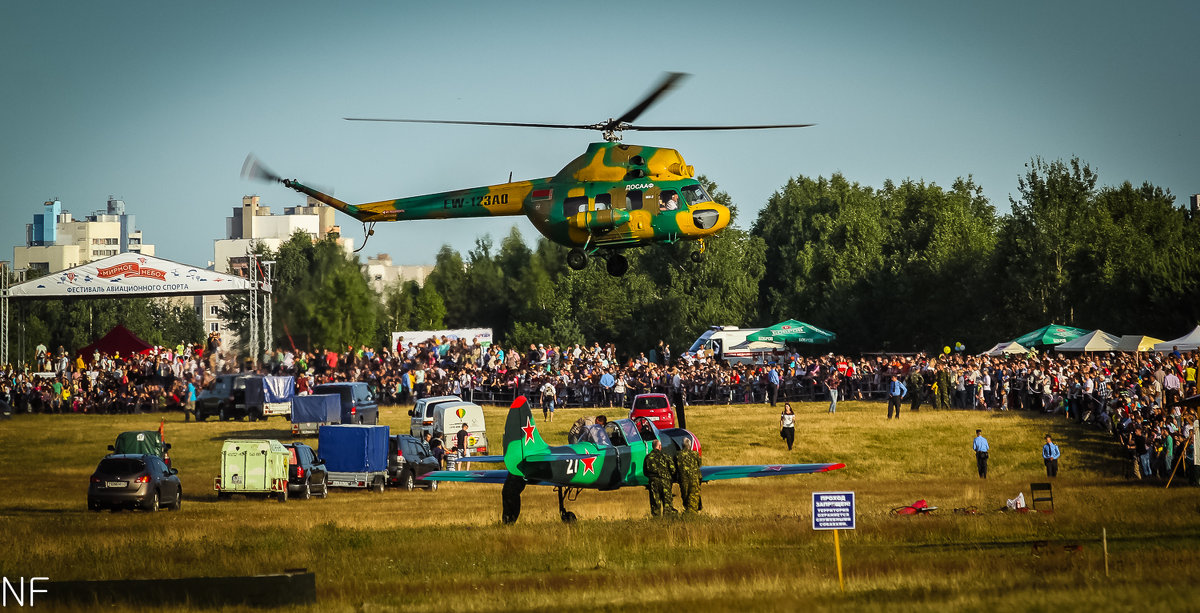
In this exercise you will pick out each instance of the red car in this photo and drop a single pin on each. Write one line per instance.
(654, 407)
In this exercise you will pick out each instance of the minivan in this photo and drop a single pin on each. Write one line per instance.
(358, 403)
(422, 414)
(448, 418)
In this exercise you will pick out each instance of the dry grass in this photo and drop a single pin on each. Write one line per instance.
(752, 547)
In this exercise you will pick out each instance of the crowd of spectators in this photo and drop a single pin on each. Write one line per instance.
(1136, 397)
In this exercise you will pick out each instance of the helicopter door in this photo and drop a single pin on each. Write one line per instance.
(603, 202)
(633, 200)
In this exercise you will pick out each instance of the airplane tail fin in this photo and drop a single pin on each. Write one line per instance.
(521, 436)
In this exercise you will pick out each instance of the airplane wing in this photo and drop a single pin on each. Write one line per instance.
(482, 458)
(474, 476)
(713, 473)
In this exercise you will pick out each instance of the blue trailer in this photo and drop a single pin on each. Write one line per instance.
(267, 396)
(313, 411)
(355, 455)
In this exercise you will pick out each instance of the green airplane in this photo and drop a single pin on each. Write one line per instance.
(604, 458)
(613, 197)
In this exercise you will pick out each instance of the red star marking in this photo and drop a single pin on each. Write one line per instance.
(529, 430)
(775, 468)
(587, 464)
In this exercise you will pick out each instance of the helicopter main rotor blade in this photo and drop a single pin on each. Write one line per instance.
(668, 81)
(482, 123)
(701, 128)
(253, 168)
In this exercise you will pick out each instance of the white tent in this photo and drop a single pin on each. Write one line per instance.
(1137, 342)
(1188, 342)
(1007, 348)
(1096, 340)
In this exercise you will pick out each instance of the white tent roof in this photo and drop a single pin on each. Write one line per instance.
(1096, 340)
(1137, 342)
(130, 274)
(1007, 348)
(1188, 342)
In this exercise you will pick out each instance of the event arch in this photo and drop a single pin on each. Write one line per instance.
(133, 275)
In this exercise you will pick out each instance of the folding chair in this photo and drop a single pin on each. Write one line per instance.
(1047, 495)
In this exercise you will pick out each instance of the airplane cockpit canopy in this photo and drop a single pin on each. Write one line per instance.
(596, 435)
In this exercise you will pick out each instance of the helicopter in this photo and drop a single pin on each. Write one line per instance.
(612, 197)
(604, 457)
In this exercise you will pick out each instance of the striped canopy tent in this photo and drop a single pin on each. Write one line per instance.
(1050, 335)
(1137, 342)
(1096, 340)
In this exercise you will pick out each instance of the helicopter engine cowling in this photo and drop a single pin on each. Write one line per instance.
(600, 221)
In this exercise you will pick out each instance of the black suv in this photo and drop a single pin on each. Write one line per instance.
(408, 460)
(306, 472)
(358, 403)
(129, 481)
(225, 398)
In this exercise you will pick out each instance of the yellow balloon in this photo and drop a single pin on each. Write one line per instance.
(946, 349)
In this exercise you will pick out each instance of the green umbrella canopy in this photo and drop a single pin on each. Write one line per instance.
(792, 331)
(1052, 334)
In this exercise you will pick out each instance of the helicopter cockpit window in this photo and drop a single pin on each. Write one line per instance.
(668, 200)
(633, 200)
(695, 194)
(603, 202)
(574, 204)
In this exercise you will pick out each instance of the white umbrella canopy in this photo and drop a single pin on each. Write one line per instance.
(1096, 340)
(1008, 348)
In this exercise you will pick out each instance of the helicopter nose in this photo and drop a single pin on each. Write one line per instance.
(706, 219)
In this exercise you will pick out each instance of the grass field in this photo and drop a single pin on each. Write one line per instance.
(752, 548)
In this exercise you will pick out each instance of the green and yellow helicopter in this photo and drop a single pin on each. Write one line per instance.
(603, 457)
(612, 197)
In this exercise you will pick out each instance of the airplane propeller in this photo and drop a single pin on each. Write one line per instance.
(612, 128)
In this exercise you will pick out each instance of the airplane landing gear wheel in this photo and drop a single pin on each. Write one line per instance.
(697, 256)
(617, 265)
(568, 517)
(577, 259)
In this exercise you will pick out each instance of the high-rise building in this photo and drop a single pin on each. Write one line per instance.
(253, 224)
(56, 241)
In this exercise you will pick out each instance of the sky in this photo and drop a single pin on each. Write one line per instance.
(158, 103)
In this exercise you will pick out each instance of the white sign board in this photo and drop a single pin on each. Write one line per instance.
(420, 336)
(130, 274)
(833, 511)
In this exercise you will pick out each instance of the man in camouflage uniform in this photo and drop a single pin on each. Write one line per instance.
(943, 385)
(687, 473)
(659, 469)
(916, 383)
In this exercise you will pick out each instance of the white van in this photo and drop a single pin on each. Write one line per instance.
(728, 343)
(422, 414)
(448, 418)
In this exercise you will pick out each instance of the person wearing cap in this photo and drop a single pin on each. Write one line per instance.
(1050, 455)
(980, 446)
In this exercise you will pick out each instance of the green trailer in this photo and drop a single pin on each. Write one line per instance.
(253, 466)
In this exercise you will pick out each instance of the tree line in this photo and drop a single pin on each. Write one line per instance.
(909, 265)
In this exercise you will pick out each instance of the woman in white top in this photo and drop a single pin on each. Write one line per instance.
(787, 425)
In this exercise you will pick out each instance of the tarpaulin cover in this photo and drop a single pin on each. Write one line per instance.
(119, 340)
(353, 448)
(139, 442)
(317, 408)
(260, 390)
